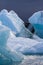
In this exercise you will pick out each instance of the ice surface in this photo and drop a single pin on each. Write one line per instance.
(4, 34)
(12, 47)
(0, 22)
(7, 55)
(13, 21)
(4, 11)
(37, 38)
(7, 21)
(22, 45)
(37, 21)
(23, 32)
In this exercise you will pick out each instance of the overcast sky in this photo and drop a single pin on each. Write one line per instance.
(24, 8)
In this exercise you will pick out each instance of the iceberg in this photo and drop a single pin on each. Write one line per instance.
(13, 21)
(37, 21)
(12, 37)
(6, 20)
(23, 31)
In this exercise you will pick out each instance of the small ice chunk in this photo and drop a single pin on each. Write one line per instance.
(37, 21)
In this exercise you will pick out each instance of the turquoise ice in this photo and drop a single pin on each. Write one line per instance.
(23, 32)
(37, 21)
(7, 21)
(15, 23)
(4, 34)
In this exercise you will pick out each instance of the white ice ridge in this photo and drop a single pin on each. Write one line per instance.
(23, 45)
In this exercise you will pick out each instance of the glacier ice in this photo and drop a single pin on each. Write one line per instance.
(13, 21)
(37, 21)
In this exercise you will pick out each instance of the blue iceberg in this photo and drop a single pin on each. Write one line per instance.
(37, 21)
(13, 21)
(4, 17)
(13, 44)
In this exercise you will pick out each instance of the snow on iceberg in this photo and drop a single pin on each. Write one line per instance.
(37, 21)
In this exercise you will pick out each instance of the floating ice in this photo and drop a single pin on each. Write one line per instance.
(37, 21)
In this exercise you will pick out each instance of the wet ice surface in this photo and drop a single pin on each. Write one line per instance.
(32, 60)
